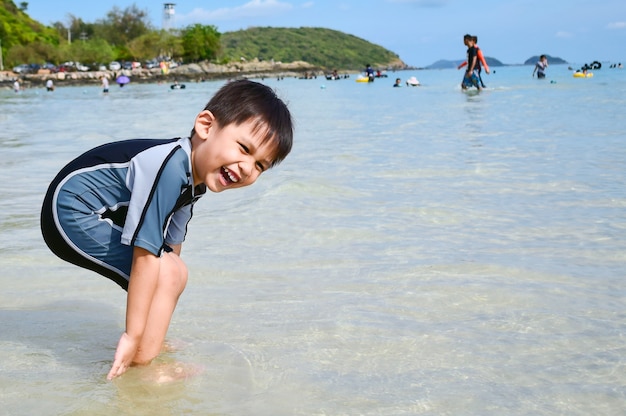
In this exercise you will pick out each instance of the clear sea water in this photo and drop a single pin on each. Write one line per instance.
(422, 251)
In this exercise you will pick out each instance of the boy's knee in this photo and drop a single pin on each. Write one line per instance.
(175, 275)
(183, 277)
(183, 273)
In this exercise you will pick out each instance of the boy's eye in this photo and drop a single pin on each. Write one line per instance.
(260, 167)
(244, 147)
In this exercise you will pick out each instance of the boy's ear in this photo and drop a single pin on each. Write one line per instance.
(204, 121)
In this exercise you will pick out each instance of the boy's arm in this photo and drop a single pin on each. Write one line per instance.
(462, 65)
(144, 276)
(141, 287)
(482, 60)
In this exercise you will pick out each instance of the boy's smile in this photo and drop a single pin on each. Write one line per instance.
(228, 157)
(229, 176)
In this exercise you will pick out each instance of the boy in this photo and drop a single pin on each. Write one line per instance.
(471, 77)
(540, 67)
(481, 58)
(122, 209)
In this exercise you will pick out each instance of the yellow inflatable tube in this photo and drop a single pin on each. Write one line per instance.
(581, 75)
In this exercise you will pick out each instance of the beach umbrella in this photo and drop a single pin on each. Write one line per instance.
(122, 79)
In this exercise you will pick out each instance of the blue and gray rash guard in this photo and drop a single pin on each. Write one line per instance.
(134, 193)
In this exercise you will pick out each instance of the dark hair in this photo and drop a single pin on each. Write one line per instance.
(475, 39)
(467, 36)
(244, 100)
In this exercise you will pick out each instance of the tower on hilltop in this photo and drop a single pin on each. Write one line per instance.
(168, 15)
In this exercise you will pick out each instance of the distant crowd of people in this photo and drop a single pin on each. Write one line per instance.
(472, 77)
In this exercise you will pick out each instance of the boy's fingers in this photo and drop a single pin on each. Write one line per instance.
(116, 370)
(112, 373)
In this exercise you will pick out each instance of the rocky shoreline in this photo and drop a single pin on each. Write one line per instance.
(183, 73)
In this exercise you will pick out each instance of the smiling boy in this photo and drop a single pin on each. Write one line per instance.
(122, 208)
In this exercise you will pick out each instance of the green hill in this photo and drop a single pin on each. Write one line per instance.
(324, 48)
(17, 28)
(25, 40)
(551, 59)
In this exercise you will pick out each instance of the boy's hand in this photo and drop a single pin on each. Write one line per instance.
(126, 350)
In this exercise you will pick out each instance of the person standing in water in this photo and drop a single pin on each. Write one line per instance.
(471, 77)
(481, 58)
(540, 67)
(105, 84)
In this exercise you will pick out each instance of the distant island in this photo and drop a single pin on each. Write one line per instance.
(492, 62)
(551, 60)
(445, 64)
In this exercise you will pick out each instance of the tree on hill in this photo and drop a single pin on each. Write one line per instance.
(200, 42)
(155, 43)
(121, 26)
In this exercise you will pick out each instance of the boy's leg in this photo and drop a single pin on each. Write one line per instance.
(171, 283)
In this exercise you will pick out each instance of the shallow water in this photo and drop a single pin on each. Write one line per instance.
(421, 251)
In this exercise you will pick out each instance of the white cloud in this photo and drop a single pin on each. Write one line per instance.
(307, 5)
(617, 25)
(254, 8)
(563, 34)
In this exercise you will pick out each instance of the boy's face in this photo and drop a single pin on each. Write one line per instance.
(228, 157)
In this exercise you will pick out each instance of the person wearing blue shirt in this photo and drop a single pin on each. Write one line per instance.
(122, 209)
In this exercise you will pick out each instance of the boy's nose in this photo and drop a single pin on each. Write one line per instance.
(247, 171)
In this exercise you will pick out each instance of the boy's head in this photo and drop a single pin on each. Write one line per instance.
(241, 101)
(466, 38)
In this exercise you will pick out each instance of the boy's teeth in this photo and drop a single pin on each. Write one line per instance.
(230, 175)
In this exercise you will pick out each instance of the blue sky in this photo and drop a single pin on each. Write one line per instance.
(419, 31)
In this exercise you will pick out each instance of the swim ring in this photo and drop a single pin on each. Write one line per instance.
(581, 75)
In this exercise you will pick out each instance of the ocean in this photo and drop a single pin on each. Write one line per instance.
(422, 251)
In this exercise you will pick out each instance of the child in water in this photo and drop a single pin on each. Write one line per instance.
(481, 58)
(540, 67)
(471, 78)
(121, 209)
